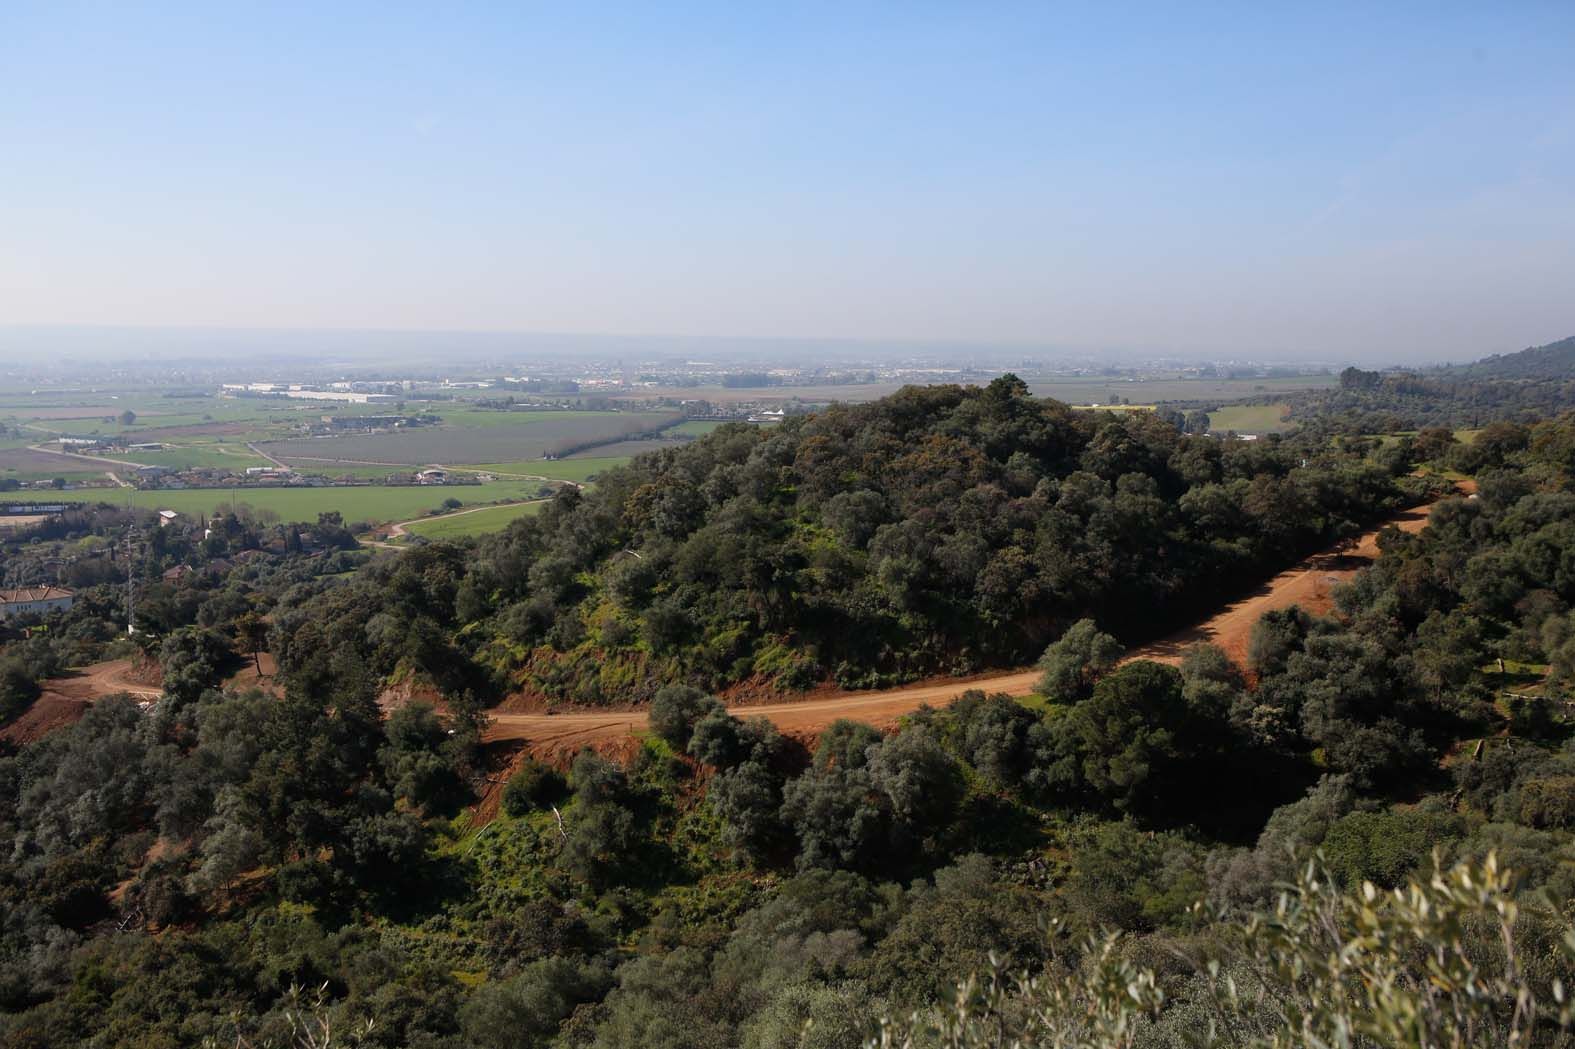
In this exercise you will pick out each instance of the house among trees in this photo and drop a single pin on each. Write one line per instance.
(39, 600)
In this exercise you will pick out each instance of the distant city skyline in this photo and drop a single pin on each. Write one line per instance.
(1340, 183)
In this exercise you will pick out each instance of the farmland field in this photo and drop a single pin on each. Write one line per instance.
(330, 468)
(479, 522)
(540, 433)
(180, 457)
(576, 469)
(697, 427)
(365, 503)
(626, 450)
(23, 464)
(1251, 418)
(465, 416)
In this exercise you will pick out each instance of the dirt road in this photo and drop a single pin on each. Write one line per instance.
(1309, 584)
(105, 679)
(277, 465)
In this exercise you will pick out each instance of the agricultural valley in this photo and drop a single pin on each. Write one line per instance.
(503, 717)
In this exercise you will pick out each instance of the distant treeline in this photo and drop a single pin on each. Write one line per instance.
(1520, 387)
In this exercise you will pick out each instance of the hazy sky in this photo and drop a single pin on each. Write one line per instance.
(1386, 179)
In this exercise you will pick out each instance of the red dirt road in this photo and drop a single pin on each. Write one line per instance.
(1309, 584)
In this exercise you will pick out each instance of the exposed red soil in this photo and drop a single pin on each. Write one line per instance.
(65, 699)
(396, 696)
(138, 677)
(49, 711)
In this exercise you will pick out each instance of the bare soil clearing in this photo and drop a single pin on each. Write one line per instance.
(64, 700)
(48, 712)
(1309, 584)
(137, 679)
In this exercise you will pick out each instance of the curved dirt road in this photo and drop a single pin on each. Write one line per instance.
(109, 678)
(1309, 583)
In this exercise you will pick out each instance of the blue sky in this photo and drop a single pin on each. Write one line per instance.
(1341, 181)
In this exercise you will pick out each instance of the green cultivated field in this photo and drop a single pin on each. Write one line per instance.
(1251, 418)
(577, 470)
(371, 503)
(626, 450)
(697, 427)
(227, 456)
(469, 436)
(479, 522)
(333, 469)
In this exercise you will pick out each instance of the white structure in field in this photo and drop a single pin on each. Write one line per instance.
(296, 391)
(34, 599)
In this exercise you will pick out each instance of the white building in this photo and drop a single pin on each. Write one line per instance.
(34, 599)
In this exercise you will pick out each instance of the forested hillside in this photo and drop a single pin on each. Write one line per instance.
(236, 868)
(1519, 387)
(1556, 360)
(943, 529)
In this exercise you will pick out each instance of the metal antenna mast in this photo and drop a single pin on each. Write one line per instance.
(131, 624)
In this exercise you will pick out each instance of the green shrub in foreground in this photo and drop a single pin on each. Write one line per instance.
(1433, 965)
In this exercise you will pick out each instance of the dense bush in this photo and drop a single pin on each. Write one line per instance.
(532, 785)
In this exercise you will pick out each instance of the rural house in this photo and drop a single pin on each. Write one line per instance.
(34, 599)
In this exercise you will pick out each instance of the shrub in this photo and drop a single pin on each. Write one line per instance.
(1075, 661)
(676, 709)
(1439, 963)
(17, 691)
(533, 785)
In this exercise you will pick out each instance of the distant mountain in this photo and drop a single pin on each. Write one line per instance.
(1556, 360)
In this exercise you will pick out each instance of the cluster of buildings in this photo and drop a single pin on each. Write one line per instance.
(173, 479)
(166, 479)
(300, 392)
